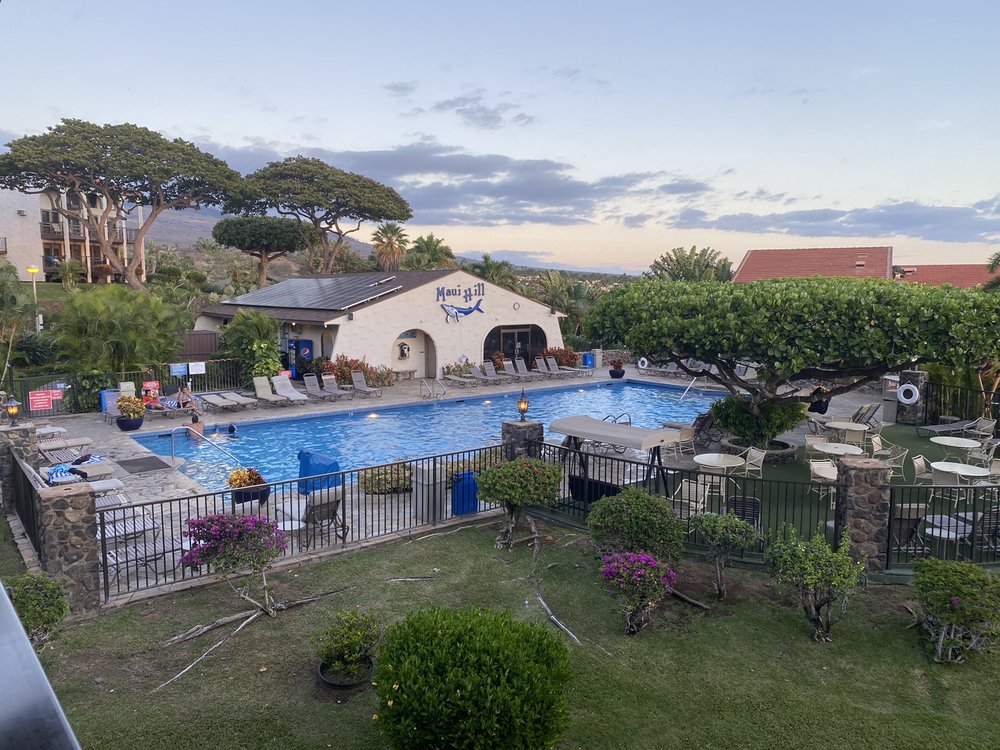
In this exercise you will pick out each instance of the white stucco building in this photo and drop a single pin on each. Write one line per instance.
(411, 321)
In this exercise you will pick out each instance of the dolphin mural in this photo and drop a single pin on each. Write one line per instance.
(450, 311)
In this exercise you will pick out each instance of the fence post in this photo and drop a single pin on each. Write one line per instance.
(863, 508)
(521, 438)
(69, 547)
(21, 437)
(914, 413)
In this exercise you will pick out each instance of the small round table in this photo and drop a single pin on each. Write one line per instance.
(954, 445)
(966, 471)
(291, 527)
(843, 426)
(725, 462)
(838, 449)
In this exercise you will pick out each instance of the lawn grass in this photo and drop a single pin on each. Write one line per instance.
(10, 559)
(47, 291)
(744, 675)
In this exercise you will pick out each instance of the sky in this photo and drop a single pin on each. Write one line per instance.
(565, 134)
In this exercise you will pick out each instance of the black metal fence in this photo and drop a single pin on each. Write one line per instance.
(54, 394)
(25, 504)
(142, 544)
(957, 401)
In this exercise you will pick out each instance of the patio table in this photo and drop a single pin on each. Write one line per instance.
(965, 471)
(838, 449)
(954, 445)
(721, 464)
(844, 426)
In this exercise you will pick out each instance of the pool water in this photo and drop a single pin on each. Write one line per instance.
(369, 434)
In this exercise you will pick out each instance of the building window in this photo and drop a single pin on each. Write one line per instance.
(92, 200)
(76, 252)
(50, 217)
(3, 245)
(72, 200)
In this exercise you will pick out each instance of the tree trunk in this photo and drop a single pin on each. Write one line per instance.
(506, 536)
(814, 613)
(262, 270)
(720, 576)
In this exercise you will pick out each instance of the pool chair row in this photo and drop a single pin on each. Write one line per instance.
(284, 393)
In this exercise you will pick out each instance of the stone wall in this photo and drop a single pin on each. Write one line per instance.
(913, 413)
(517, 435)
(69, 548)
(23, 437)
(863, 508)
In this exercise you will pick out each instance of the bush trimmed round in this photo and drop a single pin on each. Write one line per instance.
(471, 678)
(635, 521)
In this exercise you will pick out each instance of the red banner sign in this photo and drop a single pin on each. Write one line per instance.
(40, 400)
(151, 385)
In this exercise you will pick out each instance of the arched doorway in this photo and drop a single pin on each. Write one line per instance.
(414, 352)
(526, 341)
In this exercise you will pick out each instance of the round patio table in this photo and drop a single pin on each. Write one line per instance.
(963, 470)
(842, 426)
(725, 462)
(953, 445)
(838, 449)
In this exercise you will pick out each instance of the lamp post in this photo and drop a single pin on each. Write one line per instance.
(33, 270)
(522, 405)
(13, 408)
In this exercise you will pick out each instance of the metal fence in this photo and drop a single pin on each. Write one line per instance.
(957, 401)
(25, 503)
(57, 394)
(142, 544)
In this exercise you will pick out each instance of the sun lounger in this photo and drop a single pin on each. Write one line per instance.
(330, 385)
(219, 402)
(172, 408)
(93, 468)
(463, 380)
(60, 443)
(361, 385)
(43, 432)
(578, 372)
(508, 368)
(263, 392)
(522, 369)
(59, 455)
(240, 399)
(491, 372)
(476, 373)
(930, 430)
(543, 368)
(312, 388)
(283, 387)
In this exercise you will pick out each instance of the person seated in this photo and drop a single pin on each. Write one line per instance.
(820, 401)
(186, 401)
(150, 401)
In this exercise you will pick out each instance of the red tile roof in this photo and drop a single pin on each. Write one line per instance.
(853, 262)
(964, 275)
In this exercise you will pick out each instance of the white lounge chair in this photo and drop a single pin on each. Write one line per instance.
(478, 375)
(577, 372)
(491, 372)
(361, 385)
(463, 380)
(541, 367)
(263, 392)
(522, 369)
(283, 387)
(219, 402)
(330, 385)
(240, 399)
(508, 368)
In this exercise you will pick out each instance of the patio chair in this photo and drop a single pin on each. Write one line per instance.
(930, 430)
(746, 508)
(93, 468)
(61, 443)
(685, 441)
(465, 381)
(330, 385)
(476, 373)
(987, 533)
(575, 372)
(59, 455)
(283, 387)
(131, 555)
(241, 400)
(897, 460)
(809, 448)
(754, 466)
(322, 484)
(172, 408)
(263, 392)
(994, 468)
(522, 369)
(982, 428)
(823, 474)
(921, 469)
(218, 403)
(127, 387)
(947, 485)
(508, 368)
(983, 455)
(543, 368)
(690, 498)
(904, 528)
(111, 410)
(853, 437)
(865, 415)
(313, 389)
(491, 372)
(361, 385)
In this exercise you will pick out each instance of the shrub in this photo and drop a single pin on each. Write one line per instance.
(563, 356)
(456, 368)
(352, 636)
(724, 535)
(246, 477)
(131, 407)
(760, 429)
(384, 480)
(342, 366)
(514, 484)
(641, 581)
(819, 575)
(40, 602)
(497, 359)
(959, 607)
(635, 521)
(471, 678)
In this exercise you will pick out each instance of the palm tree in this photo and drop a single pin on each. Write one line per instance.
(580, 298)
(499, 272)
(69, 272)
(554, 290)
(679, 264)
(429, 252)
(993, 265)
(390, 243)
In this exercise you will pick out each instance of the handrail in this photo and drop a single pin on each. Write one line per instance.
(617, 420)
(432, 384)
(207, 440)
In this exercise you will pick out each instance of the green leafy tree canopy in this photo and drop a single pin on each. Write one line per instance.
(264, 238)
(679, 264)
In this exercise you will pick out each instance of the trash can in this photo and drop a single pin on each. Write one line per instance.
(464, 494)
(429, 495)
(588, 360)
(598, 357)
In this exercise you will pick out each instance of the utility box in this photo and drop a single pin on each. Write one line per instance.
(890, 386)
(464, 494)
(598, 357)
(429, 491)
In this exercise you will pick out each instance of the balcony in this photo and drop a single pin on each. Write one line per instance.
(52, 230)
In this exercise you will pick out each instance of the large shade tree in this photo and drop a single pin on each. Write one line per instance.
(841, 331)
(323, 197)
(122, 166)
(264, 238)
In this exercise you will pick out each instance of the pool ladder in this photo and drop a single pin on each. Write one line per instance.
(432, 388)
(207, 440)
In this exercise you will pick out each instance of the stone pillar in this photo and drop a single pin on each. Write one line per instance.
(22, 437)
(913, 413)
(69, 547)
(863, 508)
(516, 436)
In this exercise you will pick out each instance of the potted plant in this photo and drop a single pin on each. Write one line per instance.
(346, 649)
(617, 368)
(248, 486)
(132, 413)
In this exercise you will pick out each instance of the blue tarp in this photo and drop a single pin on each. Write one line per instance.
(312, 464)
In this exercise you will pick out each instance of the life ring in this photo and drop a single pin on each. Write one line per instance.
(643, 363)
(907, 394)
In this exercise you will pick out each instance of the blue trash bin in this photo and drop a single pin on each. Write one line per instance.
(464, 494)
(588, 360)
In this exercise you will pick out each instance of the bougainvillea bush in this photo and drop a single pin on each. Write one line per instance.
(641, 581)
(342, 366)
(564, 357)
(235, 543)
(514, 484)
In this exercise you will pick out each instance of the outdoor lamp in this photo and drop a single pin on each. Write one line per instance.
(522, 405)
(13, 407)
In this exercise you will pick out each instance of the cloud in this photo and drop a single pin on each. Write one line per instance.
(637, 221)
(401, 88)
(683, 187)
(474, 111)
(541, 259)
(977, 223)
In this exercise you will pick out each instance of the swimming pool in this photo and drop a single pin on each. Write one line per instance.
(370, 434)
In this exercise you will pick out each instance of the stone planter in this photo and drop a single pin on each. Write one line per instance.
(251, 495)
(778, 452)
(128, 424)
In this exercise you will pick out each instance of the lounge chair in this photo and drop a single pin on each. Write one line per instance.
(361, 385)
(172, 408)
(543, 368)
(93, 468)
(491, 372)
(930, 430)
(578, 372)
(330, 385)
(463, 380)
(111, 410)
(283, 387)
(904, 528)
(240, 399)
(478, 375)
(59, 455)
(522, 369)
(262, 390)
(219, 402)
(746, 508)
(60, 443)
(508, 368)
(48, 431)
(313, 389)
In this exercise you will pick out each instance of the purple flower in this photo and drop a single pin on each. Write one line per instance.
(954, 601)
